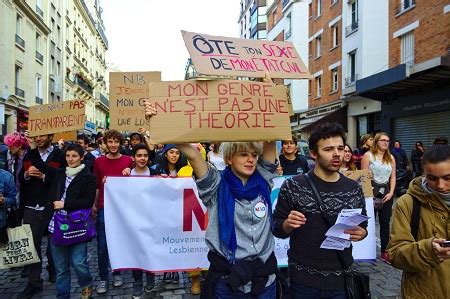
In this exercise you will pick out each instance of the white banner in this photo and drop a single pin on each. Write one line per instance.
(153, 224)
(158, 224)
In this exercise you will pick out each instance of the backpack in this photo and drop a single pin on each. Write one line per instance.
(415, 217)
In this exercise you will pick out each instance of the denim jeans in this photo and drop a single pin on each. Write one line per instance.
(102, 247)
(64, 256)
(223, 291)
(300, 291)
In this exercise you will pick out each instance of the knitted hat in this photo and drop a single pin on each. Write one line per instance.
(168, 147)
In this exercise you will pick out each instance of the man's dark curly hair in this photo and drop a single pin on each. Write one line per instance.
(325, 131)
(114, 134)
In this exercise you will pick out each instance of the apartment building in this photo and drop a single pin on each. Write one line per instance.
(413, 91)
(287, 20)
(24, 75)
(325, 64)
(253, 19)
(52, 51)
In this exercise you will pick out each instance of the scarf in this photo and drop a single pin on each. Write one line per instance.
(231, 188)
(444, 196)
(73, 171)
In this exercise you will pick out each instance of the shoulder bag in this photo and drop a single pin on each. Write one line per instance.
(356, 283)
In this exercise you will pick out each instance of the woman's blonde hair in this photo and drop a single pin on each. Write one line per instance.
(229, 149)
(387, 158)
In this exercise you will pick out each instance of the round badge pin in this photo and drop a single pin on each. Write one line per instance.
(260, 209)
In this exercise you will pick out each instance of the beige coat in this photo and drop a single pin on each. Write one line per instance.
(424, 275)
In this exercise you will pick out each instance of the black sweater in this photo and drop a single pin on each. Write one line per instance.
(80, 193)
(310, 265)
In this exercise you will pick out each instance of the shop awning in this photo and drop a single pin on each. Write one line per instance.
(403, 80)
(338, 115)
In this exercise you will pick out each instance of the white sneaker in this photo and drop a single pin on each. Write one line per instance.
(118, 281)
(102, 287)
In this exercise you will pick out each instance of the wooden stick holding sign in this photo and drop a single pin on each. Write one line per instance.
(55, 118)
(223, 110)
(226, 56)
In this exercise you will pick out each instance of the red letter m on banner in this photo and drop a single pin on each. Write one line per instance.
(192, 206)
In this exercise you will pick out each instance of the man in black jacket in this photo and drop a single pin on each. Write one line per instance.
(37, 209)
(315, 271)
(89, 158)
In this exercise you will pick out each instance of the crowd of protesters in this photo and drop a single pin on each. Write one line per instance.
(41, 177)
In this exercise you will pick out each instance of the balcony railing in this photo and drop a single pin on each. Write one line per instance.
(39, 57)
(20, 41)
(104, 100)
(102, 34)
(39, 11)
(20, 92)
(39, 100)
(350, 81)
(80, 81)
(404, 6)
(351, 28)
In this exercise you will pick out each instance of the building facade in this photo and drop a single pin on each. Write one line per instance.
(413, 91)
(54, 51)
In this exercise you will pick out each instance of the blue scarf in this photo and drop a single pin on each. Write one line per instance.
(231, 188)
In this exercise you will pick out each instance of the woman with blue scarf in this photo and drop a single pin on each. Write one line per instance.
(242, 262)
(239, 235)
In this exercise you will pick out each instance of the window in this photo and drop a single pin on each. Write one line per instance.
(38, 86)
(407, 4)
(318, 45)
(310, 10)
(52, 65)
(38, 42)
(310, 49)
(334, 80)
(18, 72)
(58, 68)
(354, 11)
(319, 8)
(335, 35)
(58, 33)
(18, 24)
(318, 86)
(288, 27)
(407, 48)
(350, 80)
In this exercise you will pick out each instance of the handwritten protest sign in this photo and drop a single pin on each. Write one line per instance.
(231, 110)
(127, 92)
(218, 55)
(363, 178)
(57, 117)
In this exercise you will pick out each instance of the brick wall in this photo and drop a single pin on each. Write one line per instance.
(329, 55)
(431, 38)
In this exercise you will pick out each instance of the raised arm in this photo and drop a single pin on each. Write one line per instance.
(195, 159)
(269, 151)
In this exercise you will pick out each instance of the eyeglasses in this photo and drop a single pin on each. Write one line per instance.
(384, 140)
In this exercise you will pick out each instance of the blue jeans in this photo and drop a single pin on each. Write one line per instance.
(102, 247)
(300, 291)
(64, 256)
(223, 291)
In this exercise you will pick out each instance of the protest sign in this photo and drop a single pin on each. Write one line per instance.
(127, 91)
(57, 117)
(66, 136)
(222, 110)
(20, 250)
(363, 178)
(226, 56)
(163, 225)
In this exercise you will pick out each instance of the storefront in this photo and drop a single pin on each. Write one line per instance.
(415, 102)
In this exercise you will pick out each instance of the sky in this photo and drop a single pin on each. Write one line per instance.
(145, 35)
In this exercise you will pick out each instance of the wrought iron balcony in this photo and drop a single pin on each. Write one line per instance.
(39, 57)
(350, 81)
(20, 41)
(104, 100)
(20, 92)
(351, 28)
(102, 34)
(83, 84)
(39, 100)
